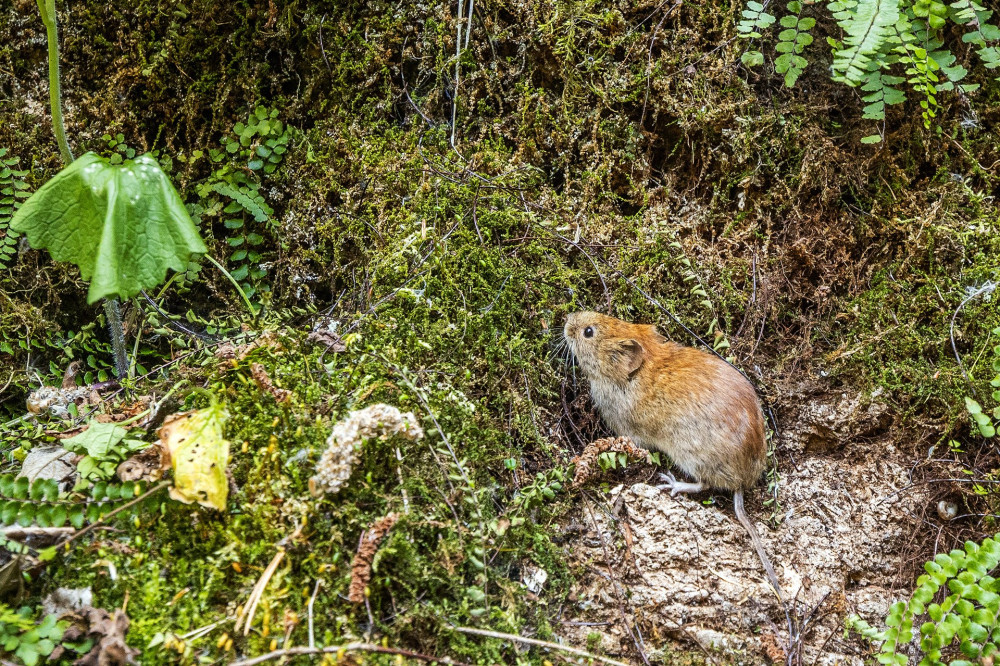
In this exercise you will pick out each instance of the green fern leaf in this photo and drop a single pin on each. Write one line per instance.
(13, 190)
(881, 93)
(974, 14)
(792, 41)
(252, 202)
(867, 25)
(755, 20)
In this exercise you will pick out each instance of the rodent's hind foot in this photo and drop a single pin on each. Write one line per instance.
(675, 486)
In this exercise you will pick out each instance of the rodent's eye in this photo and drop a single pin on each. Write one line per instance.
(588, 332)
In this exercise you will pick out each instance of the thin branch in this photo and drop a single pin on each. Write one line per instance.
(535, 641)
(348, 647)
(312, 600)
(321, 49)
(18, 532)
(257, 592)
(985, 289)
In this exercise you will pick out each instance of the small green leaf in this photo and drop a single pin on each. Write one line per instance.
(26, 515)
(86, 466)
(752, 58)
(76, 516)
(8, 514)
(871, 138)
(7, 483)
(59, 515)
(97, 440)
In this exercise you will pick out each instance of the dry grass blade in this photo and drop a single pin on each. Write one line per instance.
(534, 641)
(255, 594)
(344, 649)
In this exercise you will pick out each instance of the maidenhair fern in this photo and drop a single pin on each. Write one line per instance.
(792, 41)
(40, 503)
(755, 21)
(867, 25)
(888, 49)
(973, 15)
(966, 618)
(13, 190)
(253, 151)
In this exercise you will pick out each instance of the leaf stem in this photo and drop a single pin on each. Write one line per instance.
(47, 8)
(113, 312)
(236, 284)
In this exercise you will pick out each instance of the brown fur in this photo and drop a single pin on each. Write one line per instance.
(687, 403)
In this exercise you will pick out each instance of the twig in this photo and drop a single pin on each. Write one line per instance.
(614, 585)
(201, 631)
(347, 647)
(986, 288)
(399, 474)
(18, 532)
(534, 641)
(321, 49)
(458, 71)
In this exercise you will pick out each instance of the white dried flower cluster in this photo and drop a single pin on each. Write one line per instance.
(56, 401)
(345, 441)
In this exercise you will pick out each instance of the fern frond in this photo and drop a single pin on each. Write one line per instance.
(13, 190)
(754, 21)
(792, 41)
(866, 25)
(248, 198)
(974, 14)
(881, 93)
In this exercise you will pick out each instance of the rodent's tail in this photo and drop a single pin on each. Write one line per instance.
(757, 543)
(793, 638)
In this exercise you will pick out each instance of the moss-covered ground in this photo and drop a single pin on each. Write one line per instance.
(609, 156)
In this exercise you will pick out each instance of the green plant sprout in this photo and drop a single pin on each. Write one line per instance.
(987, 422)
(124, 225)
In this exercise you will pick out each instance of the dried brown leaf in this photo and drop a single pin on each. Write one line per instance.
(265, 383)
(328, 339)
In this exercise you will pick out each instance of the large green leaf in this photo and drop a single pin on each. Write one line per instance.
(97, 440)
(123, 225)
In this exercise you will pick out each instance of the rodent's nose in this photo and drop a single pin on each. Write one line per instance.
(569, 328)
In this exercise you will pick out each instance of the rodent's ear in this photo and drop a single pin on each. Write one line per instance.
(631, 356)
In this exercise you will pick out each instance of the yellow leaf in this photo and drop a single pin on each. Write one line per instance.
(198, 455)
